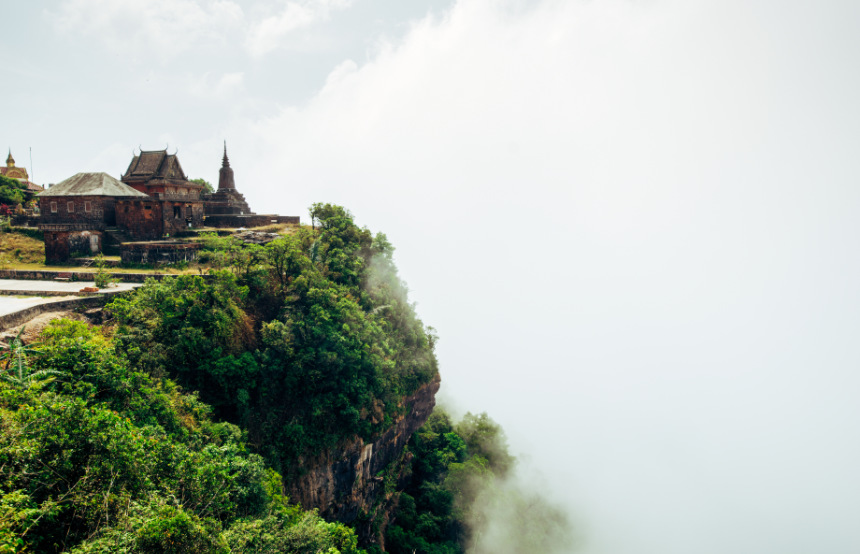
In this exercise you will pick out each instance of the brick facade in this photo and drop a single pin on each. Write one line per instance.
(96, 211)
(159, 175)
(141, 219)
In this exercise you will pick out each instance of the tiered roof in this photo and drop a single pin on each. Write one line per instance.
(154, 165)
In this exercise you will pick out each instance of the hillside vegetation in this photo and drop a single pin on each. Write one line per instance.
(176, 426)
(302, 342)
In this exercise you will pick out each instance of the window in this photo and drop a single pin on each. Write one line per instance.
(147, 207)
(53, 207)
(188, 213)
(88, 206)
(126, 209)
(177, 212)
(70, 207)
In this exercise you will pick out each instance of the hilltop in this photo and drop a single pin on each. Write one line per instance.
(279, 403)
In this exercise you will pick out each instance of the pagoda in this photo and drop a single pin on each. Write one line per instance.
(226, 200)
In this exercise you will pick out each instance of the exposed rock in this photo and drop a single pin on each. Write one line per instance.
(256, 237)
(345, 484)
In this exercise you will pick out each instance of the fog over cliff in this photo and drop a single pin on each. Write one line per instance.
(634, 225)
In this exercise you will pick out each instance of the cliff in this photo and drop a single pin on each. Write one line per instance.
(344, 484)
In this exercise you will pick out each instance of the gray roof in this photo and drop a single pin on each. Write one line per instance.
(91, 184)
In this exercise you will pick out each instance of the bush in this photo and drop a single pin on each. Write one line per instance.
(103, 278)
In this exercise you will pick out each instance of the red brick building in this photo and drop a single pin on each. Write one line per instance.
(174, 202)
(76, 212)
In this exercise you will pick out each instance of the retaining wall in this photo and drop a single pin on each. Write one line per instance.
(40, 275)
(17, 318)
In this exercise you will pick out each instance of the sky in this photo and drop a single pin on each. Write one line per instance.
(633, 223)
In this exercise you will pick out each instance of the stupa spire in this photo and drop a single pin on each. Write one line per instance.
(225, 177)
(10, 161)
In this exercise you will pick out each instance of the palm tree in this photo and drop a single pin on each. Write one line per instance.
(16, 369)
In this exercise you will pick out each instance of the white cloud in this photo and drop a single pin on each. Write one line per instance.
(631, 223)
(269, 33)
(224, 87)
(161, 27)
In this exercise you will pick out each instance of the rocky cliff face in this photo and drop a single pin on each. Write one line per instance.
(344, 484)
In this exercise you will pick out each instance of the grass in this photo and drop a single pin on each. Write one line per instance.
(20, 249)
(280, 228)
(24, 253)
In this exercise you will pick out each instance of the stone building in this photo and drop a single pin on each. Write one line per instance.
(226, 200)
(76, 212)
(227, 207)
(173, 203)
(153, 201)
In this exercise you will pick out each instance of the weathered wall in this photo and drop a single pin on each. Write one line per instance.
(60, 245)
(141, 219)
(344, 484)
(176, 224)
(257, 220)
(159, 252)
(101, 209)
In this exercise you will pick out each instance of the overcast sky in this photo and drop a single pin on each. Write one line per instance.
(633, 223)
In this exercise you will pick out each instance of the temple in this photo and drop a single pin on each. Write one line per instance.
(153, 201)
(177, 207)
(227, 207)
(77, 213)
(226, 200)
(18, 173)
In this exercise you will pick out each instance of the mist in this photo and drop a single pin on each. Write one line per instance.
(633, 224)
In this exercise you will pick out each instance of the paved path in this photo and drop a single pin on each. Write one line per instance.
(31, 287)
(17, 294)
(12, 304)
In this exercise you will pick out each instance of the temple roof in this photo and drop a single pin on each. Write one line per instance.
(91, 184)
(155, 164)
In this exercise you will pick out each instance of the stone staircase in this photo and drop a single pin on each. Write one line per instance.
(113, 238)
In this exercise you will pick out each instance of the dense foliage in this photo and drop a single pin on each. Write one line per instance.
(12, 191)
(461, 496)
(96, 457)
(304, 342)
(449, 466)
(287, 349)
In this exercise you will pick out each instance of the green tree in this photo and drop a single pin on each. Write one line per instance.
(12, 191)
(207, 186)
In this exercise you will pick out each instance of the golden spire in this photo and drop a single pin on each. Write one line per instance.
(10, 161)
